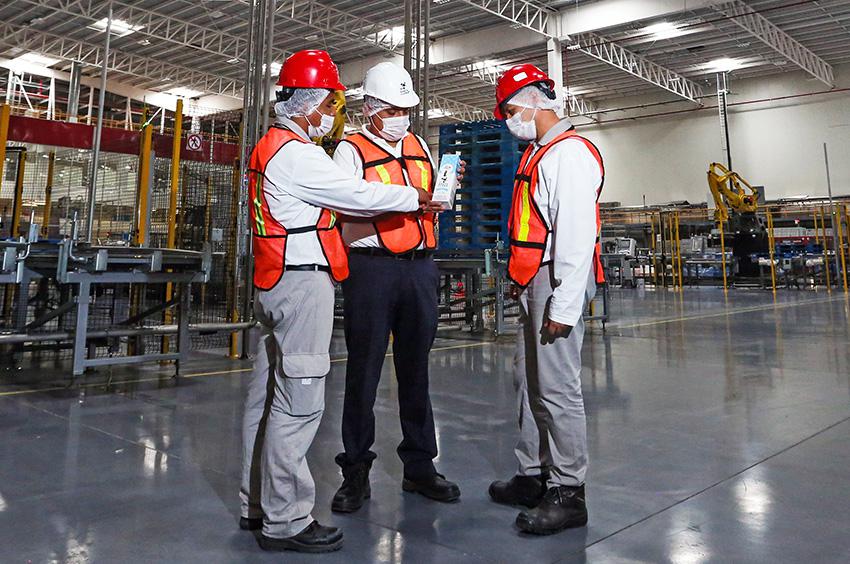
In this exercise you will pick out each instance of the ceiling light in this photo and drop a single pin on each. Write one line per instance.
(436, 113)
(355, 93)
(33, 59)
(119, 27)
(663, 30)
(724, 65)
(394, 34)
(233, 61)
(216, 14)
(145, 42)
(183, 92)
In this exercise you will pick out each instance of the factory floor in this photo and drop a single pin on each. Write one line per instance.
(719, 432)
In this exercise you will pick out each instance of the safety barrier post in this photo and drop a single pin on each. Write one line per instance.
(18, 203)
(772, 242)
(171, 236)
(143, 191)
(5, 115)
(825, 252)
(654, 250)
(48, 195)
(841, 244)
(207, 232)
(679, 254)
(233, 298)
(723, 255)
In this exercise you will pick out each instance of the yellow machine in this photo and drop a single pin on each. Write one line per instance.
(736, 201)
(730, 191)
(330, 141)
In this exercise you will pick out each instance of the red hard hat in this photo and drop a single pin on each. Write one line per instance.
(515, 78)
(310, 68)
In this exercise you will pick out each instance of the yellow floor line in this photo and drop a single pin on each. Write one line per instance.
(199, 374)
(723, 313)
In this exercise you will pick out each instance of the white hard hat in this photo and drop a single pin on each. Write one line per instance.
(391, 83)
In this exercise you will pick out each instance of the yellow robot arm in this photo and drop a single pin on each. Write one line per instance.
(730, 191)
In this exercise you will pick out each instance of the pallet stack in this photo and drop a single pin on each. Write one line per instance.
(483, 203)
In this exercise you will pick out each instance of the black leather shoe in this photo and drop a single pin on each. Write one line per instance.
(315, 538)
(354, 491)
(520, 490)
(563, 507)
(434, 487)
(250, 523)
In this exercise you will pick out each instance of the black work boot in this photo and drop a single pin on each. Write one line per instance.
(563, 507)
(520, 490)
(355, 489)
(315, 538)
(250, 523)
(434, 487)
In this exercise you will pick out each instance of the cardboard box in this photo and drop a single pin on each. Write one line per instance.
(445, 188)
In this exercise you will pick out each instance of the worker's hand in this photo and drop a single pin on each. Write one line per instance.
(514, 292)
(426, 205)
(553, 330)
(424, 197)
(461, 172)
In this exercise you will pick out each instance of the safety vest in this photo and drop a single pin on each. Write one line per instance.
(400, 232)
(269, 235)
(529, 231)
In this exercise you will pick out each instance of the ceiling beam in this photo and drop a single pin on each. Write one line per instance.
(608, 52)
(520, 13)
(153, 70)
(157, 26)
(771, 35)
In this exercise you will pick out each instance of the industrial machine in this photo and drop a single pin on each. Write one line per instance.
(736, 202)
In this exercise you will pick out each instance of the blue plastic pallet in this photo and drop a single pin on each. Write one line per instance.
(492, 156)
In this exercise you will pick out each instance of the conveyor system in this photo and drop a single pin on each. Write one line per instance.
(83, 266)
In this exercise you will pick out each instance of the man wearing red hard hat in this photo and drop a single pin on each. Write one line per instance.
(295, 191)
(554, 266)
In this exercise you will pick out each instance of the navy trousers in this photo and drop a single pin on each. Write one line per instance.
(383, 296)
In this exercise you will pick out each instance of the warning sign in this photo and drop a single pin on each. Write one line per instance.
(193, 142)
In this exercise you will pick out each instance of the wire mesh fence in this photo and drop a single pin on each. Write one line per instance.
(54, 189)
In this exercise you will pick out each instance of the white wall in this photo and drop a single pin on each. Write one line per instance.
(777, 144)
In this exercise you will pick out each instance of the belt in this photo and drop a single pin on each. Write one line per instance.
(307, 268)
(376, 252)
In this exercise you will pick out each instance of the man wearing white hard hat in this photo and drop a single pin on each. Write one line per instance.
(392, 289)
(295, 192)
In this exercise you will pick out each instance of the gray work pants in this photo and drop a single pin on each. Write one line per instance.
(547, 378)
(285, 401)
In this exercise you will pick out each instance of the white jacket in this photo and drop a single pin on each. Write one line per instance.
(566, 196)
(301, 179)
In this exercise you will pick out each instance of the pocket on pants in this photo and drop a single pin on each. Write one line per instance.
(306, 365)
(303, 397)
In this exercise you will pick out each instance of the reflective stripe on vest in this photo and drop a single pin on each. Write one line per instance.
(399, 232)
(529, 232)
(269, 235)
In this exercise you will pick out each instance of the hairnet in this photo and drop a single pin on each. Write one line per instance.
(372, 105)
(532, 96)
(302, 102)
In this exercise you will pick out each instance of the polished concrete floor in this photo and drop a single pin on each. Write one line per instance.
(719, 432)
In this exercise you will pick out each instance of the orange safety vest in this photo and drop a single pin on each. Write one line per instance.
(529, 232)
(269, 235)
(400, 232)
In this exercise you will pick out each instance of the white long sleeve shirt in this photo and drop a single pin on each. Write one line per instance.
(566, 196)
(362, 235)
(301, 179)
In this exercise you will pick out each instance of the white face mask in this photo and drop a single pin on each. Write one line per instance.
(324, 127)
(395, 128)
(524, 130)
